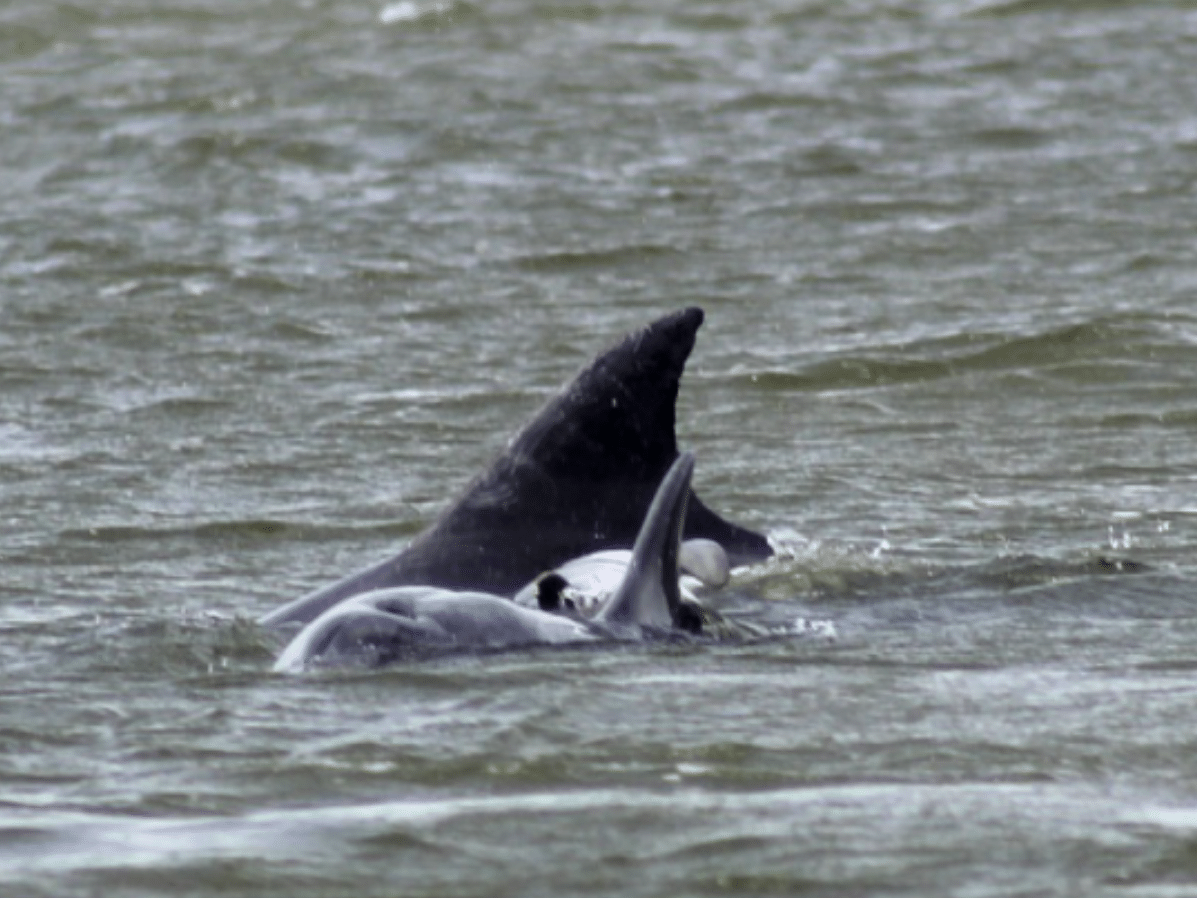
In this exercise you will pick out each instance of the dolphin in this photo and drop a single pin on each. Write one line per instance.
(585, 583)
(577, 479)
(380, 626)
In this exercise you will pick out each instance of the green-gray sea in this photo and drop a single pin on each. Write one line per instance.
(278, 277)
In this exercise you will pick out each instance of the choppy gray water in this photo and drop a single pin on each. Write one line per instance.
(276, 278)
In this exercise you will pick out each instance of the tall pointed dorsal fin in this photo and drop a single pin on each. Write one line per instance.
(648, 596)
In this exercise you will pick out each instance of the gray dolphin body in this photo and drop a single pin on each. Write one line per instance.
(577, 479)
(373, 628)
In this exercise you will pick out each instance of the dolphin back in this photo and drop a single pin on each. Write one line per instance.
(577, 479)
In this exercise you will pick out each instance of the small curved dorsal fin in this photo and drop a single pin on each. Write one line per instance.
(648, 595)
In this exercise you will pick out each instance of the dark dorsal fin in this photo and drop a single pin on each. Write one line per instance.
(577, 479)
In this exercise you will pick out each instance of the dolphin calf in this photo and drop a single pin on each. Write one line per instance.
(380, 626)
(577, 479)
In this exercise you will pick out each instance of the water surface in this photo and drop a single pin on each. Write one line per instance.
(277, 278)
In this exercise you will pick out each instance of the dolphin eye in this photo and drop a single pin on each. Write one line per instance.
(548, 591)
